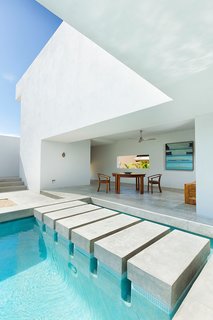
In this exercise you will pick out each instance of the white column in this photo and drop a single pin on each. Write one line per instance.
(204, 165)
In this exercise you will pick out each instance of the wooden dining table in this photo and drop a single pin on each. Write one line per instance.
(139, 180)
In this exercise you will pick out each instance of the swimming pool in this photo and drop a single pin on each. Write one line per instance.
(40, 278)
(39, 281)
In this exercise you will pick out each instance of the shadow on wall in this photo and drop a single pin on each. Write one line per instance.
(22, 172)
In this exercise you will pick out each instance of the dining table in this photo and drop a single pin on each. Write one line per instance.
(139, 180)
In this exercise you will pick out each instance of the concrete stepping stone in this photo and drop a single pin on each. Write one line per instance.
(85, 237)
(50, 218)
(198, 303)
(64, 226)
(115, 250)
(165, 269)
(39, 212)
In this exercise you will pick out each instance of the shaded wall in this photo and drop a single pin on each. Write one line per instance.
(104, 158)
(204, 160)
(9, 156)
(65, 164)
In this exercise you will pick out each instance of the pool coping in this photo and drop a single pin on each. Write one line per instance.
(197, 226)
(24, 211)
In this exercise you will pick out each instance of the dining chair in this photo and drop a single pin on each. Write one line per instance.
(105, 179)
(154, 180)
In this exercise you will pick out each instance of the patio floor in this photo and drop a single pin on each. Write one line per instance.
(166, 208)
(169, 202)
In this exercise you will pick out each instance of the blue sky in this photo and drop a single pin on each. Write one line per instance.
(25, 27)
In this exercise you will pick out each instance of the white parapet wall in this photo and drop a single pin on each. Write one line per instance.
(9, 159)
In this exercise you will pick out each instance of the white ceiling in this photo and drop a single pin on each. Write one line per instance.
(164, 41)
(169, 43)
(153, 132)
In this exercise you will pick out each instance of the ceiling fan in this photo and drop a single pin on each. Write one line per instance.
(141, 138)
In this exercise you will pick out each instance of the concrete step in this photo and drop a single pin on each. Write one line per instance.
(7, 179)
(13, 188)
(85, 237)
(164, 270)
(115, 250)
(11, 183)
(198, 303)
(51, 218)
(39, 212)
(65, 226)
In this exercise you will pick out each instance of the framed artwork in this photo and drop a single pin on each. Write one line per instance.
(180, 156)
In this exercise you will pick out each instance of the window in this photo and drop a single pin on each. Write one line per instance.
(140, 161)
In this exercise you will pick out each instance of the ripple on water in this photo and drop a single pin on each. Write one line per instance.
(41, 293)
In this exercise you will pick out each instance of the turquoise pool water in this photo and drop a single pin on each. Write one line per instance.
(38, 280)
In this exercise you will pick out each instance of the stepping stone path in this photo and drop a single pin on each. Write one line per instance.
(159, 262)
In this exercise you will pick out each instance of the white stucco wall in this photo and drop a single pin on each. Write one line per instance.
(204, 156)
(104, 158)
(72, 170)
(9, 156)
(73, 83)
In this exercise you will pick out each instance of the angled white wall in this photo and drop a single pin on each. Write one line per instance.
(73, 83)
(103, 158)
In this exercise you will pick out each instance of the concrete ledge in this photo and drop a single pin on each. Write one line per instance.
(81, 207)
(85, 237)
(198, 303)
(166, 268)
(39, 212)
(64, 226)
(13, 215)
(115, 250)
(197, 225)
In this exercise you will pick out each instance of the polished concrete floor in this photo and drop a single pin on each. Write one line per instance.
(169, 202)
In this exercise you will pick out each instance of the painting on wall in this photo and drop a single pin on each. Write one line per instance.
(140, 161)
(180, 156)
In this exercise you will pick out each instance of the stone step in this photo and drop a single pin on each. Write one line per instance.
(7, 179)
(11, 183)
(13, 188)
(165, 269)
(39, 212)
(198, 303)
(51, 218)
(65, 226)
(115, 250)
(85, 237)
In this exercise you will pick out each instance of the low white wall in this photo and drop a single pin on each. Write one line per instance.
(9, 159)
(204, 160)
(72, 170)
(103, 158)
